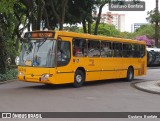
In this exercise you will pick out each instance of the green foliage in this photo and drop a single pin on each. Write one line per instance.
(7, 6)
(11, 51)
(106, 29)
(126, 35)
(11, 17)
(148, 30)
(152, 16)
(72, 28)
(11, 74)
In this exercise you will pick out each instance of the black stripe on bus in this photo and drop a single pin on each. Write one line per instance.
(100, 70)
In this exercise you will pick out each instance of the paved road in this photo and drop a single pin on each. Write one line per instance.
(107, 96)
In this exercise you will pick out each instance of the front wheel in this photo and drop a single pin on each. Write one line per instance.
(79, 78)
(130, 74)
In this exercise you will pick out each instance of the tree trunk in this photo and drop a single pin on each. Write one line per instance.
(3, 57)
(89, 27)
(41, 5)
(98, 19)
(84, 26)
(60, 18)
(46, 19)
(156, 25)
(64, 5)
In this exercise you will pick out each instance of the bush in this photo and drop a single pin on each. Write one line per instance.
(11, 74)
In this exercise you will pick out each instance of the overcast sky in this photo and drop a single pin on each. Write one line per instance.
(135, 16)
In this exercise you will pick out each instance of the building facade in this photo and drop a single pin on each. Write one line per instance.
(118, 20)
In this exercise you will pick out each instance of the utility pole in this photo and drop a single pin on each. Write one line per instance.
(156, 25)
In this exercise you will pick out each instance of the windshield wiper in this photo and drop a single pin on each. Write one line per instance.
(40, 44)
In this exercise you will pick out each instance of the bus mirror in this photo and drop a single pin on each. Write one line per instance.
(17, 60)
(59, 39)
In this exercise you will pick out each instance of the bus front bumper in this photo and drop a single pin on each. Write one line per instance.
(45, 78)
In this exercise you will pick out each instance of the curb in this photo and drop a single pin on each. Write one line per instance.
(149, 90)
(7, 81)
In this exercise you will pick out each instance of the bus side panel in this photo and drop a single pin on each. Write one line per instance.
(123, 66)
(93, 69)
(126, 63)
(139, 65)
(108, 66)
(64, 77)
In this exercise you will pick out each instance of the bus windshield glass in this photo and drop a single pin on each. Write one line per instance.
(39, 53)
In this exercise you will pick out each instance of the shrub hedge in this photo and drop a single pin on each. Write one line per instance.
(11, 74)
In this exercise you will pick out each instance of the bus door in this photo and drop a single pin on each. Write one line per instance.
(64, 72)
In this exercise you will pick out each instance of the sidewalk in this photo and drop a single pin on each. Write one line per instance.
(148, 86)
(7, 81)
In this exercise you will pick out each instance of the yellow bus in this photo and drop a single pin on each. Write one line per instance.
(58, 57)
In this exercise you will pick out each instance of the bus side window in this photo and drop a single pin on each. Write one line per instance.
(106, 49)
(79, 47)
(136, 51)
(117, 48)
(127, 50)
(63, 53)
(93, 48)
(142, 51)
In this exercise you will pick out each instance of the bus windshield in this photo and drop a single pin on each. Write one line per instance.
(39, 53)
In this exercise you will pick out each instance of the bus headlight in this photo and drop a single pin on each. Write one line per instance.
(20, 74)
(45, 77)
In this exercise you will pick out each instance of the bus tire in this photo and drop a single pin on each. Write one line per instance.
(130, 74)
(79, 78)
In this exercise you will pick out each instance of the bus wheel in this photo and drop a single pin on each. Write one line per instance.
(130, 74)
(79, 78)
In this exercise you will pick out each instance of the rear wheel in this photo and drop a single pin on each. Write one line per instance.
(79, 78)
(130, 74)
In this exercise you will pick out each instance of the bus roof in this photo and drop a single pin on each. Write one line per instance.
(89, 36)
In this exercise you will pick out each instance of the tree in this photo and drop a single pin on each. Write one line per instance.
(61, 10)
(100, 4)
(126, 35)
(5, 28)
(154, 18)
(148, 30)
(149, 42)
(11, 18)
(106, 29)
(156, 24)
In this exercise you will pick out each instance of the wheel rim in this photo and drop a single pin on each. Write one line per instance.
(79, 78)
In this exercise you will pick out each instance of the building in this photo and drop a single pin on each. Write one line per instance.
(118, 20)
